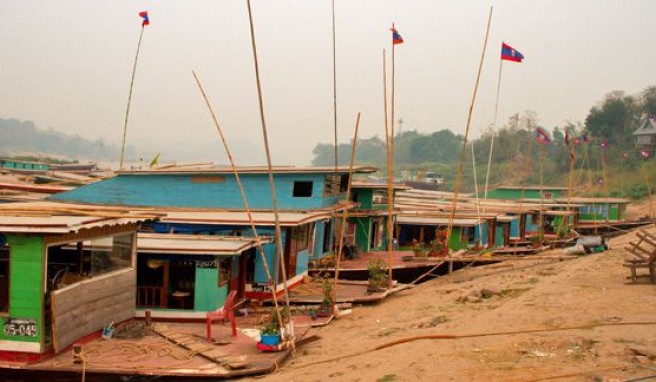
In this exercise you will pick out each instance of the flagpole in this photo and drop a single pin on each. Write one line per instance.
(390, 177)
(494, 130)
(127, 110)
(278, 235)
(456, 189)
(258, 241)
(390, 180)
(335, 87)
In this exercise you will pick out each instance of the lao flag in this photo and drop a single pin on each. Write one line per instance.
(644, 154)
(396, 37)
(144, 16)
(542, 136)
(509, 53)
(604, 144)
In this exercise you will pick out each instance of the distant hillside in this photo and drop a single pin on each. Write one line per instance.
(24, 138)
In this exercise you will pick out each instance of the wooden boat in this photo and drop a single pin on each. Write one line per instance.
(31, 167)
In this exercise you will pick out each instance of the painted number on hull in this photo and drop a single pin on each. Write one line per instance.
(18, 327)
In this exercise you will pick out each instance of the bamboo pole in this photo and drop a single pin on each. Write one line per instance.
(494, 130)
(127, 109)
(541, 219)
(464, 144)
(278, 235)
(335, 87)
(605, 177)
(342, 227)
(390, 186)
(258, 241)
(478, 199)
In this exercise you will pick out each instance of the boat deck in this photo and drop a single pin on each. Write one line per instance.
(174, 350)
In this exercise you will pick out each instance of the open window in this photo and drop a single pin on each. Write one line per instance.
(4, 279)
(302, 189)
(225, 270)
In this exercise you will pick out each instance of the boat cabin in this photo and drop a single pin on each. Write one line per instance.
(186, 275)
(527, 192)
(62, 278)
(595, 210)
(367, 223)
(425, 229)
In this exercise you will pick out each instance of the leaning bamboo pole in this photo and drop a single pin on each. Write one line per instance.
(258, 241)
(342, 226)
(390, 187)
(127, 109)
(456, 188)
(278, 235)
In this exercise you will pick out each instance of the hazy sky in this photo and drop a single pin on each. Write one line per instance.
(66, 65)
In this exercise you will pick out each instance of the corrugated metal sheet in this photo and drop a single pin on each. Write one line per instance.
(193, 244)
(241, 218)
(427, 220)
(214, 169)
(57, 224)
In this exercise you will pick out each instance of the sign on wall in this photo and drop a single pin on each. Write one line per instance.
(20, 327)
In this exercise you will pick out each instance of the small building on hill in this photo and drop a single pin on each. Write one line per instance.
(645, 136)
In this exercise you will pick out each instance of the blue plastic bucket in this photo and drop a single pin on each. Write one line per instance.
(270, 339)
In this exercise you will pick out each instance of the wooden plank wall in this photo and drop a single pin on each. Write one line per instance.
(83, 308)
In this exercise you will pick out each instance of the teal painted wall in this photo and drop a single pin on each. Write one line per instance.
(318, 241)
(480, 233)
(302, 262)
(363, 232)
(181, 191)
(365, 198)
(498, 236)
(25, 283)
(514, 229)
(502, 193)
(209, 296)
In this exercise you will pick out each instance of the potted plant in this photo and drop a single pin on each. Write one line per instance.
(270, 331)
(419, 249)
(377, 275)
(327, 305)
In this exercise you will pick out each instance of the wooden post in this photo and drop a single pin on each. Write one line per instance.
(344, 222)
(278, 234)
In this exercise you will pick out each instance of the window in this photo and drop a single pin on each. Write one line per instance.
(4, 280)
(110, 254)
(302, 189)
(300, 238)
(343, 183)
(225, 270)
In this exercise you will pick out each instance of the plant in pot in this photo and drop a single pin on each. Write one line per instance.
(327, 305)
(377, 275)
(270, 331)
(419, 249)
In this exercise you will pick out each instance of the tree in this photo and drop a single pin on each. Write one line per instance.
(649, 102)
(614, 119)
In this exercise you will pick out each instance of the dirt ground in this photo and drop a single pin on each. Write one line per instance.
(537, 320)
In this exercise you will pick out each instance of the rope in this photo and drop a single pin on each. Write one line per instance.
(473, 335)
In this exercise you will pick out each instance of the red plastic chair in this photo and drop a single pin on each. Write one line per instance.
(224, 313)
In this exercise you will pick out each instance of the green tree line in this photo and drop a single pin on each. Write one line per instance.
(517, 156)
